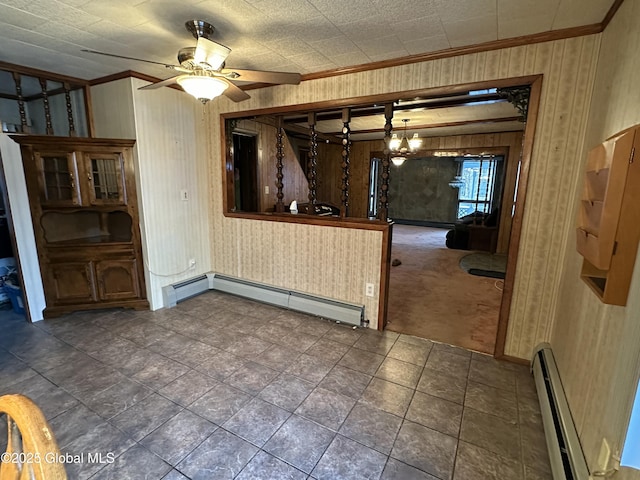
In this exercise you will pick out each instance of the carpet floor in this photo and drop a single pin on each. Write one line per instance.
(485, 264)
(430, 296)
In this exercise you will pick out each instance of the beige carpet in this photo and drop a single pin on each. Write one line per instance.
(430, 296)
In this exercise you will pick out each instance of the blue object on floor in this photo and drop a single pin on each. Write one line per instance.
(15, 295)
(631, 449)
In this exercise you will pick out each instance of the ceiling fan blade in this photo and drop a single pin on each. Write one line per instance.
(210, 55)
(132, 58)
(234, 92)
(261, 76)
(163, 83)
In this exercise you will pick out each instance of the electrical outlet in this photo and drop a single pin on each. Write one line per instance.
(192, 262)
(184, 195)
(266, 189)
(369, 290)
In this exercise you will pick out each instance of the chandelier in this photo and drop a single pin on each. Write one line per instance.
(401, 148)
(458, 180)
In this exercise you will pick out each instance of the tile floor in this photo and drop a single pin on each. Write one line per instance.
(221, 387)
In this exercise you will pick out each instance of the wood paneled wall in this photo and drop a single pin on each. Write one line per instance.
(597, 346)
(568, 67)
(296, 186)
(330, 173)
(360, 170)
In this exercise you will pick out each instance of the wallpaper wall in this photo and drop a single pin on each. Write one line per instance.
(597, 346)
(568, 67)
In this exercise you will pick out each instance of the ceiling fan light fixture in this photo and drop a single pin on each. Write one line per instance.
(397, 161)
(202, 87)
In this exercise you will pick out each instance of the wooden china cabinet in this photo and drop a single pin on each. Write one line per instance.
(85, 217)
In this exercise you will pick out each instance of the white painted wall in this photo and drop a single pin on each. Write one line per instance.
(21, 215)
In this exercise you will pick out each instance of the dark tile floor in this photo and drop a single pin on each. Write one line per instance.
(221, 387)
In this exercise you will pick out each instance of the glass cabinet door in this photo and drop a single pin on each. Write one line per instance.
(106, 181)
(58, 178)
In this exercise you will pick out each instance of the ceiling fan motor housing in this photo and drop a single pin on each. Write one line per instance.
(200, 28)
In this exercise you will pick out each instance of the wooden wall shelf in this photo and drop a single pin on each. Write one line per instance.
(609, 216)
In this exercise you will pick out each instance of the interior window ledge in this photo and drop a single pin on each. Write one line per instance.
(357, 223)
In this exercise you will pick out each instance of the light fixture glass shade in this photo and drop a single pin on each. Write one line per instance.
(394, 143)
(415, 142)
(202, 87)
(397, 161)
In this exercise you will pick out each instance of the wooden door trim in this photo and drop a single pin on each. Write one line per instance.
(516, 225)
(385, 273)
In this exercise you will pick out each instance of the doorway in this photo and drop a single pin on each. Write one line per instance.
(430, 295)
(245, 172)
(446, 210)
(12, 303)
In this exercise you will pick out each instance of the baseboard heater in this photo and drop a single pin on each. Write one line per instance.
(565, 452)
(172, 294)
(343, 312)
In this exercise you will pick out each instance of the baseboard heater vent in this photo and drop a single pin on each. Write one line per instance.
(172, 294)
(565, 451)
(324, 307)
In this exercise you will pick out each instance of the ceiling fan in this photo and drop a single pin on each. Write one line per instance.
(203, 73)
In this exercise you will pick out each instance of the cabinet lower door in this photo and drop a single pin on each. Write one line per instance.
(72, 282)
(118, 279)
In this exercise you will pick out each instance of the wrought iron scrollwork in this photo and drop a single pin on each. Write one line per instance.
(518, 97)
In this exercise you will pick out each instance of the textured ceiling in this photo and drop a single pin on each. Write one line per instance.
(302, 36)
